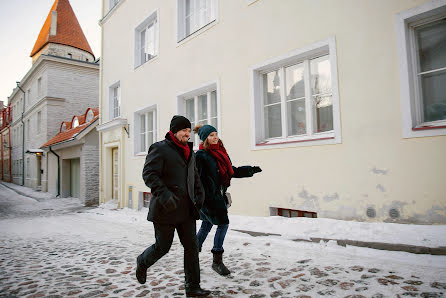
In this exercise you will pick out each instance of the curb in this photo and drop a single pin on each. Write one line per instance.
(374, 245)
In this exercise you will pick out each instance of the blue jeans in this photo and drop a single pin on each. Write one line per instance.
(219, 237)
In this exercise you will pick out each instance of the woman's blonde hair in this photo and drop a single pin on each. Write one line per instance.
(205, 142)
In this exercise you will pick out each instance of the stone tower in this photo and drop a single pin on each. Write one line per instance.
(62, 36)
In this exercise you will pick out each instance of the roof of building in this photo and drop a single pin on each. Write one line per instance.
(71, 132)
(68, 30)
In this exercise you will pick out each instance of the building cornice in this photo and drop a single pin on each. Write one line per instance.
(113, 124)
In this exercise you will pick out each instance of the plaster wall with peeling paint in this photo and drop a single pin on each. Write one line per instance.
(372, 173)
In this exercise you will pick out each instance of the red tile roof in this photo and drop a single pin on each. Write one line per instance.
(70, 133)
(68, 30)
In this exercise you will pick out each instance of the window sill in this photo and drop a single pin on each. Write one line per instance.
(147, 62)
(428, 127)
(328, 138)
(198, 32)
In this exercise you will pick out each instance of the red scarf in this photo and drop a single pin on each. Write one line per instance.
(185, 148)
(224, 164)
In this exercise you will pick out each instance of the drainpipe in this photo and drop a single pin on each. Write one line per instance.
(23, 135)
(58, 172)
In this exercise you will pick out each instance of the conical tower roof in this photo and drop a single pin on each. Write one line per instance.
(61, 27)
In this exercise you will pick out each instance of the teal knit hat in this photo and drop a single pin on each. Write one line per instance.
(205, 131)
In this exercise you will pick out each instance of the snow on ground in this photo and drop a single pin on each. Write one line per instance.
(86, 252)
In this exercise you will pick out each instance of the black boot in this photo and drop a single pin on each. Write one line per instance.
(218, 265)
(196, 291)
(141, 272)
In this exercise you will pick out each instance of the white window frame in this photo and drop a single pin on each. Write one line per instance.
(181, 19)
(410, 101)
(137, 128)
(194, 93)
(151, 20)
(115, 111)
(89, 116)
(258, 141)
(112, 4)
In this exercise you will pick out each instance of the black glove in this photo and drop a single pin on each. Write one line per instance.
(170, 204)
(256, 169)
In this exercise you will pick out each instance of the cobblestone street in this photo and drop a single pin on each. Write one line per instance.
(91, 253)
(61, 267)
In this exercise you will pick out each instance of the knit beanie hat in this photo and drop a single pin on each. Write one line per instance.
(178, 123)
(205, 131)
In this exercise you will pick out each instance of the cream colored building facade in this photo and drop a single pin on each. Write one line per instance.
(329, 97)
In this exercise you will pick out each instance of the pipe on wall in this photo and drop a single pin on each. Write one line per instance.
(58, 171)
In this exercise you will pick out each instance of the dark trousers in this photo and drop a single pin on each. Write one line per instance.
(164, 236)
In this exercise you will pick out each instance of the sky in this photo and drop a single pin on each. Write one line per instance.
(20, 23)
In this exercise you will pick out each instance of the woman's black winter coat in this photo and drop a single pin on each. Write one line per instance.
(215, 208)
(177, 194)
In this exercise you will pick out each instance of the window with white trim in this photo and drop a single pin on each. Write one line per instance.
(115, 101)
(296, 99)
(89, 117)
(200, 107)
(145, 129)
(75, 122)
(194, 15)
(146, 40)
(421, 35)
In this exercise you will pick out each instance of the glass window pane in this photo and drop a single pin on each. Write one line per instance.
(142, 146)
(214, 123)
(320, 75)
(150, 121)
(323, 114)
(285, 213)
(294, 213)
(149, 139)
(434, 96)
(143, 45)
(296, 117)
(202, 107)
(273, 122)
(143, 124)
(431, 40)
(271, 87)
(295, 86)
(190, 110)
(214, 104)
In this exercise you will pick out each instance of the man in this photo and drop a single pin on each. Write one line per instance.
(177, 195)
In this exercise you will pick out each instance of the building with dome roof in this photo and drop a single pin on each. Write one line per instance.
(63, 81)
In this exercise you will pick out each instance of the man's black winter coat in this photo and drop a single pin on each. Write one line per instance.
(177, 193)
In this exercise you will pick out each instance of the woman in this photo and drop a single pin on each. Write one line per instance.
(216, 171)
